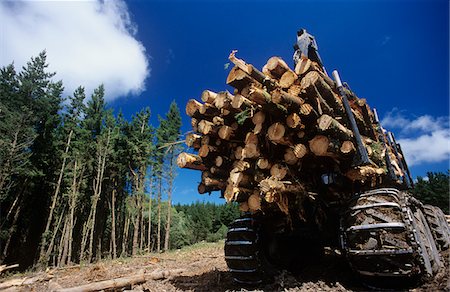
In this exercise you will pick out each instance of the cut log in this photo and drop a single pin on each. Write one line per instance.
(216, 183)
(238, 78)
(257, 95)
(251, 151)
(193, 140)
(10, 284)
(258, 118)
(194, 124)
(218, 121)
(192, 107)
(293, 121)
(240, 166)
(239, 179)
(300, 150)
(313, 82)
(239, 102)
(206, 150)
(254, 202)
(287, 100)
(263, 163)
(303, 66)
(191, 161)
(202, 189)
(206, 127)
(208, 110)
(287, 79)
(221, 161)
(208, 96)
(252, 71)
(326, 122)
(238, 194)
(290, 157)
(277, 67)
(226, 132)
(251, 138)
(276, 132)
(361, 173)
(223, 100)
(295, 90)
(319, 145)
(218, 172)
(243, 207)
(278, 171)
(238, 153)
(347, 147)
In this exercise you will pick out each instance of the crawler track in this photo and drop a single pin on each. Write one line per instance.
(384, 235)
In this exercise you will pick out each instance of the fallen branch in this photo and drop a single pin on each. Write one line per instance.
(139, 278)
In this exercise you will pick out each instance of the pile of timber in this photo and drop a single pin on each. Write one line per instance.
(255, 143)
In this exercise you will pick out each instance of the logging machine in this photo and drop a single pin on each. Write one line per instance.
(312, 169)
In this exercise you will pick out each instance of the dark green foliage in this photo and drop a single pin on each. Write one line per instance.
(208, 221)
(434, 191)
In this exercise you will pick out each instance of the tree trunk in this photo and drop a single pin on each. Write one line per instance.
(113, 220)
(42, 258)
(158, 236)
(149, 231)
(125, 235)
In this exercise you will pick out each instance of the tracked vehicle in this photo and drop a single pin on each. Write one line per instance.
(311, 166)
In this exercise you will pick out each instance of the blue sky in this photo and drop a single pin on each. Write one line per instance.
(148, 53)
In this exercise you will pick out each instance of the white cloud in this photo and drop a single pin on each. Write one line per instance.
(87, 42)
(424, 139)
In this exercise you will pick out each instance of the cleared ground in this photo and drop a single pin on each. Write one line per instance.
(202, 268)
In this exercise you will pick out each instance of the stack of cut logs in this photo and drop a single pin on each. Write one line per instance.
(254, 144)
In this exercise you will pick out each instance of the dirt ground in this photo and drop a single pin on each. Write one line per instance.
(203, 269)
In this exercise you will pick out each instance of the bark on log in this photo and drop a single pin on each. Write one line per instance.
(193, 140)
(202, 189)
(257, 95)
(252, 71)
(240, 102)
(326, 122)
(238, 78)
(191, 161)
(290, 101)
(208, 110)
(206, 150)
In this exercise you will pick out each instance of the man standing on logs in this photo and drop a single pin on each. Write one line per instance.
(306, 47)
